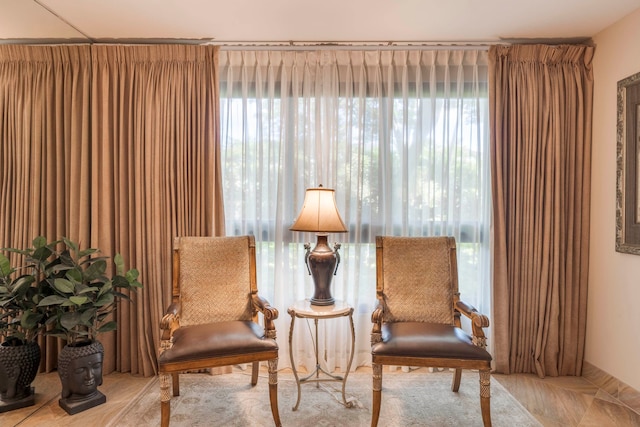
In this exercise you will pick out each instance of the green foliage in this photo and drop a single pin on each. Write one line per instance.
(83, 294)
(69, 290)
(21, 291)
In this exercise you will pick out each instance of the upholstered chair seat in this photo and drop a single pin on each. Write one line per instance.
(417, 339)
(231, 338)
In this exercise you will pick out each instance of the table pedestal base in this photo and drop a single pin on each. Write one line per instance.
(302, 309)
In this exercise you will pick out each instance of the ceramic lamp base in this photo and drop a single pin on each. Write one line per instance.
(322, 264)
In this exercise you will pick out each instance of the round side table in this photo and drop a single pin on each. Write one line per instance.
(305, 310)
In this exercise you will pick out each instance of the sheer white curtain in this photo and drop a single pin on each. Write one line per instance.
(402, 138)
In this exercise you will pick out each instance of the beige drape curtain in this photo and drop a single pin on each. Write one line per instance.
(540, 126)
(116, 147)
(154, 174)
(44, 136)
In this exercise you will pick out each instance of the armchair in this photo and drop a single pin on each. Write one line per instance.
(213, 318)
(417, 320)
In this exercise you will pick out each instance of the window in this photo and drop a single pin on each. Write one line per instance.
(400, 135)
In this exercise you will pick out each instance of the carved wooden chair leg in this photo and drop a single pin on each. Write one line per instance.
(273, 391)
(377, 393)
(165, 400)
(255, 368)
(457, 374)
(485, 397)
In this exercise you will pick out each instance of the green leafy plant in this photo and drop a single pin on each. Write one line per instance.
(21, 291)
(82, 293)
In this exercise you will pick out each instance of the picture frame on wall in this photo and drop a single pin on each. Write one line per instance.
(628, 166)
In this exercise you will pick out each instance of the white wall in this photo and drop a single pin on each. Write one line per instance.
(613, 317)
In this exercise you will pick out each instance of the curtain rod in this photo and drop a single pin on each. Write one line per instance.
(389, 45)
(347, 45)
(274, 45)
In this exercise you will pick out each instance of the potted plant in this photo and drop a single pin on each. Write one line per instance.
(82, 296)
(21, 321)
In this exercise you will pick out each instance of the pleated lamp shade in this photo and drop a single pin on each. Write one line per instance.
(319, 213)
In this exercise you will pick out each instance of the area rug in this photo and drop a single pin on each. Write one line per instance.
(417, 398)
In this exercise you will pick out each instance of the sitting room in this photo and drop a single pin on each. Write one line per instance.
(350, 214)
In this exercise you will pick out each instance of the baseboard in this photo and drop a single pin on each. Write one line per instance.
(616, 388)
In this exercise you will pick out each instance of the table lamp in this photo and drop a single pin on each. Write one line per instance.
(320, 214)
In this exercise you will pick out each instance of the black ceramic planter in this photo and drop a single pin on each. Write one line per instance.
(80, 371)
(18, 368)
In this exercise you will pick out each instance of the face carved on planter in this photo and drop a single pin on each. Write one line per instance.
(85, 375)
(81, 375)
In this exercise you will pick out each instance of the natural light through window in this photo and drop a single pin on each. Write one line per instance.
(401, 137)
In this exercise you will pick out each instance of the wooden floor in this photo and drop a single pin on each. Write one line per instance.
(120, 389)
(568, 401)
(564, 401)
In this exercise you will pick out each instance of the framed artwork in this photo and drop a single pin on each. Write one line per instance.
(628, 166)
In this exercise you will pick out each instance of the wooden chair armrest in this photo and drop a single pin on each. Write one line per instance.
(478, 322)
(270, 314)
(169, 323)
(470, 311)
(376, 318)
(263, 306)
